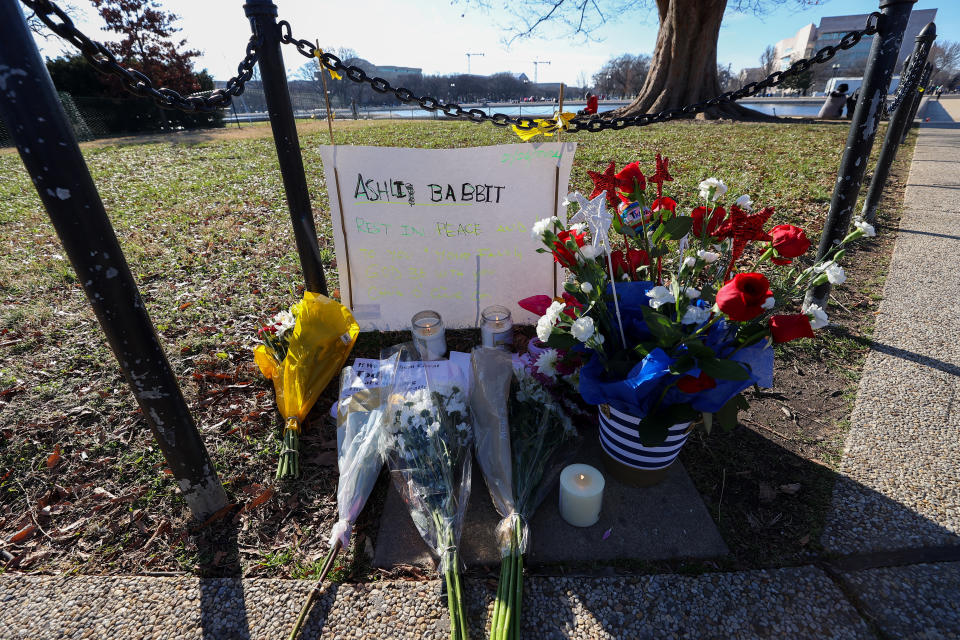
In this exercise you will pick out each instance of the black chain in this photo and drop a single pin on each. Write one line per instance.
(594, 123)
(136, 82)
(911, 78)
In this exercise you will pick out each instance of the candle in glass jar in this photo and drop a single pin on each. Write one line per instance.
(581, 494)
(496, 328)
(429, 335)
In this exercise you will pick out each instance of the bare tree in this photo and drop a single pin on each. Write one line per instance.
(768, 60)
(684, 65)
(945, 57)
(623, 75)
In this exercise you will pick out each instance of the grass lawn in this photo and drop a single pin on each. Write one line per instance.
(203, 222)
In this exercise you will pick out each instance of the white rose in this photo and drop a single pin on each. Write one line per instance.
(769, 303)
(586, 287)
(695, 315)
(660, 296)
(708, 256)
(866, 228)
(692, 293)
(712, 189)
(818, 317)
(582, 328)
(745, 203)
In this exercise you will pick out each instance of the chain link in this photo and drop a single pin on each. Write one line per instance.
(592, 124)
(136, 82)
(911, 78)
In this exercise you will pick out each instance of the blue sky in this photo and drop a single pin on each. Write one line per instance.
(435, 35)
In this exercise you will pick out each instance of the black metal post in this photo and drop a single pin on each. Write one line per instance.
(49, 150)
(898, 122)
(263, 21)
(917, 98)
(863, 130)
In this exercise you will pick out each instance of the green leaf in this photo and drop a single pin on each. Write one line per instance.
(707, 422)
(724, 369)
(561, 341)
(676, 228)
(661, 327)
(683, 364)
(727, 416)
(698, 350)
(653, 428)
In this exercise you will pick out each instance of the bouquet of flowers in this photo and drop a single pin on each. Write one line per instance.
(674, 325)
(302, 349)
(428, 436)
(520, 426)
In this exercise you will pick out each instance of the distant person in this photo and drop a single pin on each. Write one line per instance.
(852, 102)
(832, 108)
(939, 92)
(591, 107)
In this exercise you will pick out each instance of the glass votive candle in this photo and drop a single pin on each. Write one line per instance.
(496, 327)
(429, 335)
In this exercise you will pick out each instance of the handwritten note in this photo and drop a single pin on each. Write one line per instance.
(442, 229)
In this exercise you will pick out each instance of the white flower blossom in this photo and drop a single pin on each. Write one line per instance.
(284, 321)
(554, 310)
(541, 226)
(547, 363)
(582, 328)
(818, 317)
(745, 203)
(578, 227)
(708, 256)
(695, 315)
(544, 328)
(866, 228)
(769, 303)
(660, 296)
(589, 252)
(690, 261)
(712, 189)
(586, 287)
(691, 293)
(834, 272)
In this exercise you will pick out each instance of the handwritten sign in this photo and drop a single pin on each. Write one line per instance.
(442, 229)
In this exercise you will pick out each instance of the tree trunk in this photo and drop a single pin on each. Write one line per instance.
(684, 66)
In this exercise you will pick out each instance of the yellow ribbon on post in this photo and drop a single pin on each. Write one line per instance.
(545, 126)
(318, 53)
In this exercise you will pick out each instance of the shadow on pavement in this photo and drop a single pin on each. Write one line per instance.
(223, 608)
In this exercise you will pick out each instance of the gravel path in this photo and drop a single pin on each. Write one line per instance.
(794, 603)
(901, 468)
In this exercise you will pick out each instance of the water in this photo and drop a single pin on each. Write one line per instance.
(806, 109)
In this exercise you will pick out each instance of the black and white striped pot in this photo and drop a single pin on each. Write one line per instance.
(628, 459)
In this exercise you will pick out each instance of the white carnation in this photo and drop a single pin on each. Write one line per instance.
(660, 296)
(834, 272)
(547, 363)
(692, 293)
(582, 328)
(695, 315)
(690, 261)
(586, 287)
(712, 189)
(284, 321)
(708, 256)
(769, 303)
(745, 203)
(866, 228)
(818, 317)
(540, 226)
(553, 311)
(544, 328)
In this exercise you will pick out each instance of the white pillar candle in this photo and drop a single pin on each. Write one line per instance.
(496, 328)
(581, 494)
(429, 335)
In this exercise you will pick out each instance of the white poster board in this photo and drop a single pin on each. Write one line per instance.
(443, 229)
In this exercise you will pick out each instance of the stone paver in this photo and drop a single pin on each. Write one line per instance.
(918, 602)
(901, 466)
(794, 603)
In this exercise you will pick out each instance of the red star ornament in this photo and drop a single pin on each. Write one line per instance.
(743, 229)
(606, 181)
(661, 175)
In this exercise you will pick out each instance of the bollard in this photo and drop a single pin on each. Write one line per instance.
(863, 129)
(49, 151)
(263, 21)
(917, 98)
(898, 122)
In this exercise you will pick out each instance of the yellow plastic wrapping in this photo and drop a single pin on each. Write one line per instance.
(319, 346)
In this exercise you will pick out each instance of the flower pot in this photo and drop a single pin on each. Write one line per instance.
(629, 460)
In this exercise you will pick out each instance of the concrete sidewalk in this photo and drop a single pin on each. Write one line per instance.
(897, 506)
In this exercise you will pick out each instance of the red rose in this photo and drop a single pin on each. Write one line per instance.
(742, 297)
(631, 182)
(716, 218)
(689, 384)
(789, 241)
(629, 263)
(787, 328)
(561, 253)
